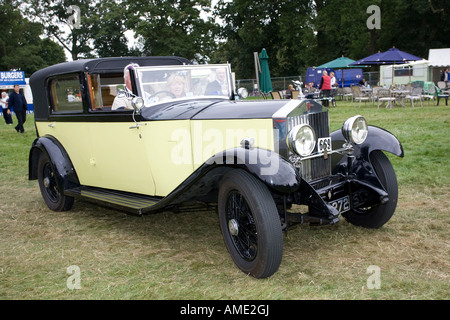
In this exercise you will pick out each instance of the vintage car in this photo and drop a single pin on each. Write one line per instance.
(182, 135)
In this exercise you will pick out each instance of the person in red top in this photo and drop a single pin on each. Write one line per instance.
(325, 86)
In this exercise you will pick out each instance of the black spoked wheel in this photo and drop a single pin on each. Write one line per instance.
(52, 193)
(376, 217)
(250, 224)
(241, 226)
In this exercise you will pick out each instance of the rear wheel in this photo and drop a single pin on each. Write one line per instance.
(51, 191)
(376, 217)
(250, 224)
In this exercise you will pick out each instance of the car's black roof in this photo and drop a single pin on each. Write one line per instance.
(97, 65)
(101, 65)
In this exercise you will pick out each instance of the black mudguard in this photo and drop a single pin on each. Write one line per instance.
(358, 167)
(377, 139)
(268, 166)
(67, 177)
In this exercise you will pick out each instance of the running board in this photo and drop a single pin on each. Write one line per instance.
(130, 202)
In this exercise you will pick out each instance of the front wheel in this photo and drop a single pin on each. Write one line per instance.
(250, 224)
(51, 191)
(376, 217)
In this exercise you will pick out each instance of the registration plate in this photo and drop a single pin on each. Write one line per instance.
(324, 144)
(341, 204)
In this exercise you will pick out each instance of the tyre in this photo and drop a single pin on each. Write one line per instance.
(51, 191)
(376, 217)
(250, 224)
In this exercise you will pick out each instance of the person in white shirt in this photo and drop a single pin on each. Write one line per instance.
(334, 85)
(124, 102)
(5, 109)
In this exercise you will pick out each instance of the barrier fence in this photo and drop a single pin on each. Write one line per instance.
(282, 83)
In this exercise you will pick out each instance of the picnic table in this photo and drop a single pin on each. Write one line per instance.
(399, 94)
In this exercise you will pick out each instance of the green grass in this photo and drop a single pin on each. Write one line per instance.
(182, 256)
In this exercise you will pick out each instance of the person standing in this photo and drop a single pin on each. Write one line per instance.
(325, 86)
(334, 85)
(6, 111)
(18, 104)
(446, 76)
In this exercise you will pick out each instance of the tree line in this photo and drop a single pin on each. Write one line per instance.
(296, 34)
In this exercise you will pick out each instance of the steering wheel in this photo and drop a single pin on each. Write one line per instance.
(170, 94)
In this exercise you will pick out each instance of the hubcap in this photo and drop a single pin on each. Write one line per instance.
(46, 182)
(233, 227)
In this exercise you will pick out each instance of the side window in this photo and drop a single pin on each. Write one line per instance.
(104, 90)
(66, 94)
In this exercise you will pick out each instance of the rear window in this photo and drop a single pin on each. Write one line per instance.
(65, 94)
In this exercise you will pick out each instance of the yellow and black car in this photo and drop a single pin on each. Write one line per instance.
(150, 133)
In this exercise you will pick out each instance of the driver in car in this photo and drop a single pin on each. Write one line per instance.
(124, 101)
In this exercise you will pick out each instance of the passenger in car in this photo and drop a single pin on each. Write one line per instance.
(176, 86)
(124, 102)
(218, 86)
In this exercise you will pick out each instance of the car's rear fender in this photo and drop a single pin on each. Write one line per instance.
(67, 177)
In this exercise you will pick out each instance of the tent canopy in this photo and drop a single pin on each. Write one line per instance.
(372, 59)
(439, 57)
(339, 63)
(391, 56)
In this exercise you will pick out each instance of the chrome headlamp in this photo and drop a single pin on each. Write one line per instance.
(301, 140)
(355, 129)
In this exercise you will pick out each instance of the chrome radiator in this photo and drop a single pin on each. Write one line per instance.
(316, 168)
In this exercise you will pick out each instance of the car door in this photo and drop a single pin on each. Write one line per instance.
(119, 158)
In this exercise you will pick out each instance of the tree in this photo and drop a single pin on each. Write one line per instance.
(413, 26)
(67, 22)
(21, 46)
(108, 29)
(283, 28)
(173, 27)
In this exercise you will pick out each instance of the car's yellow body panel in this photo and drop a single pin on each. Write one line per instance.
(154, 158)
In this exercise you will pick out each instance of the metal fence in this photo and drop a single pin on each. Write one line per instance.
(282, 83)
(278, 83)
(373, 78)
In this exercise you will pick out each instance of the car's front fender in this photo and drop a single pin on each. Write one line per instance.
(268, 166)
(377, 139)
(361, 166)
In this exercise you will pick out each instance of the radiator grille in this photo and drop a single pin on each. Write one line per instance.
(315, 168)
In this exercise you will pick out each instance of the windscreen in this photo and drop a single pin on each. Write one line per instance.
(161, 84)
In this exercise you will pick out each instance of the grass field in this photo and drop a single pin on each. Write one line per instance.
(182, 256)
